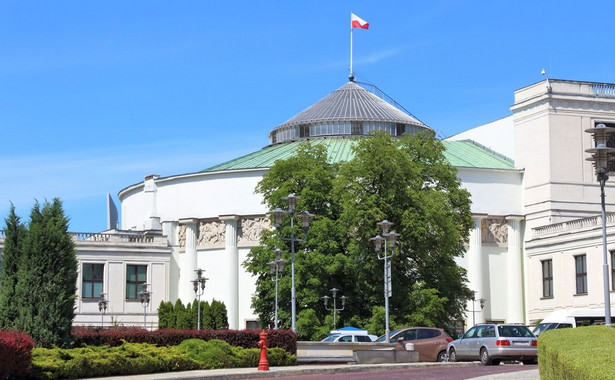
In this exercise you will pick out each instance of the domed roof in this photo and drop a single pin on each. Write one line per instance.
(350, 103)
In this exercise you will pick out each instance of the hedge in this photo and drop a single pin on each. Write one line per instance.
(576, 353)
(15, 353)
(285, 339)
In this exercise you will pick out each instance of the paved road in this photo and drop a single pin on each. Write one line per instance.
(502, 372)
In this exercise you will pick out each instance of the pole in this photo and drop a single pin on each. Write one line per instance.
(198, 321)
(386, 296)
(145, 316)
(351, 75)
(276, 297)
(605, 265)
(334, 312)
(292, 273)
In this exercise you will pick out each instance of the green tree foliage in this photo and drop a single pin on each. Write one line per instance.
(220, 315)
(166, 315)
(14, 235)
(46, 286)
(185, 317)
(405, 180)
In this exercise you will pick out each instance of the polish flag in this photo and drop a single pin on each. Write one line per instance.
(358, 22)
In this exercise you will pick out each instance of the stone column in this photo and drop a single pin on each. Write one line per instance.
(150, 190)
(476, 261)
(189, 263)
(231, 254)
(514, 294)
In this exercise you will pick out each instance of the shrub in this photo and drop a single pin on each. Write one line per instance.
(15, 353)
(578, 353)
(90, 361)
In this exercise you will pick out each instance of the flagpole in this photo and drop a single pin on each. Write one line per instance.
(351, 76)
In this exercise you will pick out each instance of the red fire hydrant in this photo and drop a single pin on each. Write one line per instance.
(263, 365)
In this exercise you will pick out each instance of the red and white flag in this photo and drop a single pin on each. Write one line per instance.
(358, 22)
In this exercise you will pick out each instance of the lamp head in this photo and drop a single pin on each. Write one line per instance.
(278, 214)
(385, 225)
(291, 199)
(325, 300)
(377, 242)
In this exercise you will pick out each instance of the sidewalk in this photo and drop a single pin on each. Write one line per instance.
(313, 369)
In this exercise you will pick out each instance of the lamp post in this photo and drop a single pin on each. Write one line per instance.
(276, 268)
(306, 218)
(391, 238)
(102, 308)
(481, 302)
(145, 298)
(198, 285)
(602, 155)
(335, 309)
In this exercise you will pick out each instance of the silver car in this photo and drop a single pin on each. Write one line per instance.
(492, 342)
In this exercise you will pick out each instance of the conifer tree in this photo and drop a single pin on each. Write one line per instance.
(46, 284)
(14, 234)
(220, 315)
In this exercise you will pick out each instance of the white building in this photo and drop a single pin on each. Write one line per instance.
(535, 201)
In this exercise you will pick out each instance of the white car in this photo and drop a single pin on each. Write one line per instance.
(348, 338)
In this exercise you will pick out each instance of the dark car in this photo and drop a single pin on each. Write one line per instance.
(493, 342)
(429, 342)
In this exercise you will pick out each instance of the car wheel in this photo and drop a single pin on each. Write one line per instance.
(528, 362)
(452, 355)
(442, 357)
(484, 357)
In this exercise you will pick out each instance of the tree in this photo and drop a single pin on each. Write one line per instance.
(14, 235)
(46, 286)
(220, 315)
(406, 180)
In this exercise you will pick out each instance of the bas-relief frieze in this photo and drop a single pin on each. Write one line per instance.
(494, 231)
(182, 236)
(212, 233)
(250, 229)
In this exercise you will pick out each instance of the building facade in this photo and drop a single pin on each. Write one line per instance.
(536, 245)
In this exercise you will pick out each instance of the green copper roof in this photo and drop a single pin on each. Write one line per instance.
(464, 153)
(470, 154)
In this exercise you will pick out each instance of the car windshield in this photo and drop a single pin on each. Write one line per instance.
(330, 338)
(514, 331)
(391, 335)
(542, 327)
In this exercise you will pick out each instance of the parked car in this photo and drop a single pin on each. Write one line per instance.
(348, 338)
(430, 342)
(492, 342)
(542, 327)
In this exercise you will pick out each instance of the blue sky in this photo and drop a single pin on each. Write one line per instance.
(96, 95)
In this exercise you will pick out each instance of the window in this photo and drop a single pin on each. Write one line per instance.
(135, 276)
(581, 273)
(92, 280)
(547, 278)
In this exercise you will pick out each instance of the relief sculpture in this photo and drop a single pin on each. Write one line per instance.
(182, 236)
(211, 234)
(494, 231)
(250, 230)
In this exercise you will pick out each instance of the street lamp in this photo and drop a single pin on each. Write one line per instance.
(602, 155)
(335, 309)
(276, 267)
(198, 285)
(391, 238)
(306, 218)
(102, 308)
(145, 298)
(481, 302)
